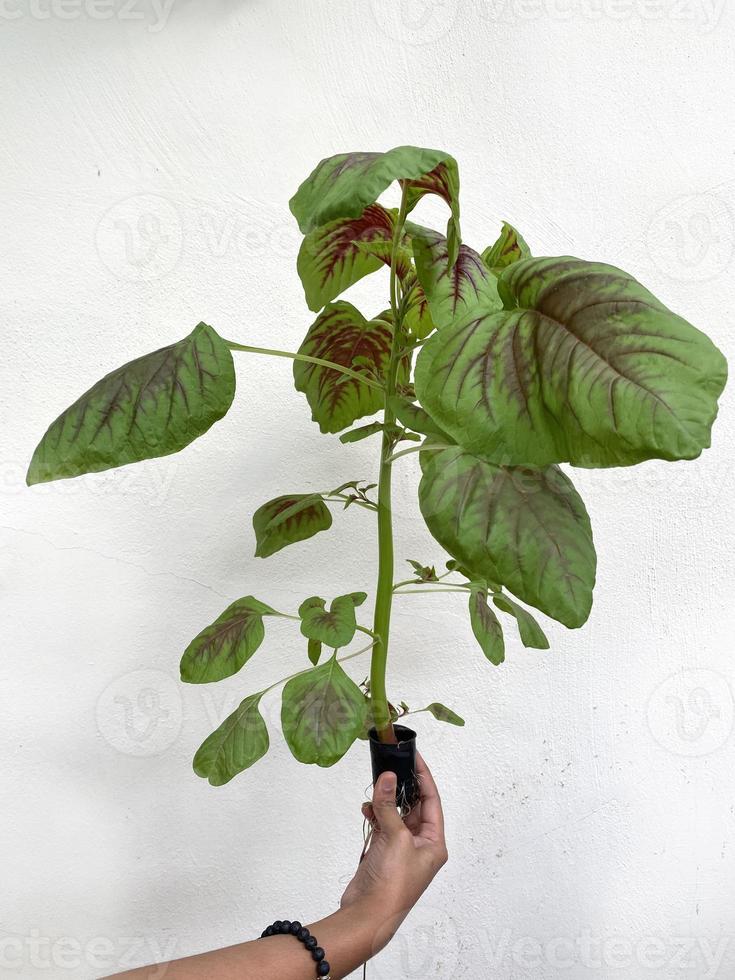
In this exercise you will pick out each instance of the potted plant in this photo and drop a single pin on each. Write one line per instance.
(494, 366)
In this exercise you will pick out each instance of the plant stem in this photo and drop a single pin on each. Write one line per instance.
(309, 360)
(384, 592)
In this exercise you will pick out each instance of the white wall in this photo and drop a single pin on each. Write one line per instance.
(590, 797)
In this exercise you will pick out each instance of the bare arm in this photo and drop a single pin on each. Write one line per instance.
(400, 863)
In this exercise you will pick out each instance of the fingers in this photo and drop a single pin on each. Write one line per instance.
(384, 805)
(432, 815)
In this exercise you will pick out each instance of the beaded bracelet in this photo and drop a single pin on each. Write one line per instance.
(295, 929)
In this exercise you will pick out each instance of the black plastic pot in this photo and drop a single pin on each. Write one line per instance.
(400, 759)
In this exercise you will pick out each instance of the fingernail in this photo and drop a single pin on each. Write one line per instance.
(388, 781)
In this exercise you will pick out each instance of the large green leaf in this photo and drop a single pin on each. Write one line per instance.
(452, 290)
(150, 407)
(342, 335)
(227, 644)
(335, 256)
(509, 248)
(486, 627)
(323, 712)
(590, 368)
(529, 630)
(525, 529)
(334, 626)
(287, 519)
(342, 186)
(237, 744)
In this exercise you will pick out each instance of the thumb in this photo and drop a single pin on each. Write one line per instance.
(384, 804)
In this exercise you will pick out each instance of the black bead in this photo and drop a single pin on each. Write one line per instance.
(295, 928)
(323, 969)
(277, 926)
(286, 926)
(303, 934)
(310, 943)
(263, 934)
(318, 953)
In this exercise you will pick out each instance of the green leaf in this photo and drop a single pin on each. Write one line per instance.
(453, 290)
(530, 632)
(335, 256)
(589, 369)
(383, 251)
(322, 714)
(237, 744)
(341, 334)
(414, 417)
(417, 316)
(314, 651)
(151, 407)
(525, 529)
(442, 713)
(357, 435)
(342, 186)
(509, 248)
(227, 644)
(444, 181)
(486, 627)
(336, 626)
(287, 519)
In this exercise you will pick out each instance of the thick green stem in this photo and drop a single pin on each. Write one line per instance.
(384, 592)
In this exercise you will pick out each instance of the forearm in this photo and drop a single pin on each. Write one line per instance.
(349, 937)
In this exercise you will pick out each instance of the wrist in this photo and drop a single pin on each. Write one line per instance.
(374, 919)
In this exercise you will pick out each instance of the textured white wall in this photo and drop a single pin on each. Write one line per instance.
(148, 154)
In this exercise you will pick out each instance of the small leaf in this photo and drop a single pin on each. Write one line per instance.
(417, 316)
(530, 632)
(314, 650)
(509, 248)
(589, 368)
(364, 431)
(383, 251)
(288, 519)
(442, 713)
(227, 644)
(443, 180)
(525, 529)
(414, 417)
(335, 256)
(427, 573)
(453, 291)
(486, 627)
(336, 626)
(342, 186)
(340, 335)
(237, 744)
(151, 407)
(322, 714)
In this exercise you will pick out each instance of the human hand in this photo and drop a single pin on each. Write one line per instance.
(403, 856)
